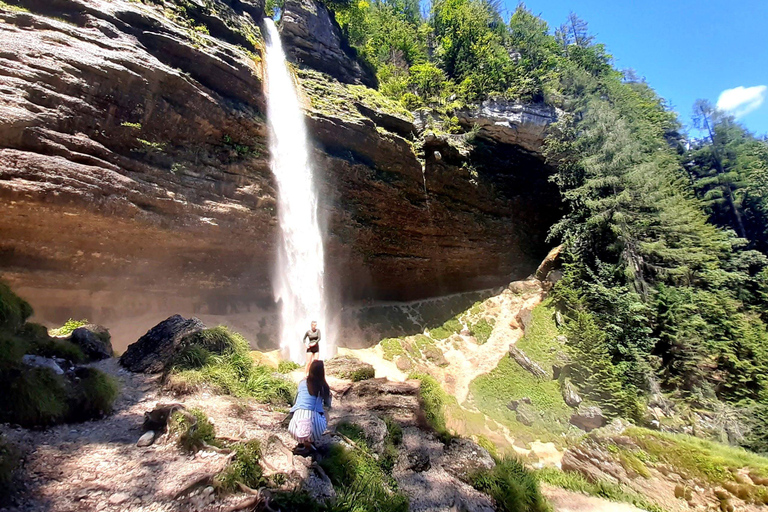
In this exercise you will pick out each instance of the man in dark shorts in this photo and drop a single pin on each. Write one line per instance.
(311, 341)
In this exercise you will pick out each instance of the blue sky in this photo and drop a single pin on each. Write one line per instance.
(686, 49)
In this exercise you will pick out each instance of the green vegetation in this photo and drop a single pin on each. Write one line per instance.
(94, 395)
(192, 430)
(135, 126)
(433, 403)
(154, 146)
(35, 396)
(698, 458)
(392, 348)
(602, 489)
(11, 7)
(14, 310)
(68, 327)
(360, 481)
(287, 366)
(220, 359)
(512, 487)
(335, 98)
(508, 381)
(244, 469)
(482, 330)
(448, 329)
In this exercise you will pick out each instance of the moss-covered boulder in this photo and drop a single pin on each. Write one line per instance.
(94, 340)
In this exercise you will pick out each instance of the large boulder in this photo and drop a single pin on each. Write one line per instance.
(94, 340)
(570, 394)
(311, 36)
(351, 368)
(588, 418)
(155, 350)
(463, 457)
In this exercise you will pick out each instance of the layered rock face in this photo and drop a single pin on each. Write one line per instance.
(135, 180)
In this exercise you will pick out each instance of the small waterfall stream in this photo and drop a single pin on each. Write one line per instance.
(299, 276)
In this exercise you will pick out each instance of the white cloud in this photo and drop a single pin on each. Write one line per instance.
(740, 101)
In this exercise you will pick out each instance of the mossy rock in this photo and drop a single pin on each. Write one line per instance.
(94, 340)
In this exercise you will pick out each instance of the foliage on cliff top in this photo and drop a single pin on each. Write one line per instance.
(329, 96)
(221, 359)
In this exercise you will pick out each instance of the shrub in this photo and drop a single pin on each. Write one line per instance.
(93, 394)
(192, 430)
(244, 469)
(512, 486)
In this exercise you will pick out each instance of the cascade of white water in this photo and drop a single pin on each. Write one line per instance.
(299, 276)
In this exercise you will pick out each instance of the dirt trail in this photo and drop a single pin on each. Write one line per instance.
(568, 501)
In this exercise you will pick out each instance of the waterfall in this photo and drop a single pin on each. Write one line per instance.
(299, 274)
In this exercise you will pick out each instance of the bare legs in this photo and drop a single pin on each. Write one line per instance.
(311, 356)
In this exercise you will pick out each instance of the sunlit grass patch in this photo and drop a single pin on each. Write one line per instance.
(222, 360)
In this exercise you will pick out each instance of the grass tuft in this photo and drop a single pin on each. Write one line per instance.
(287, 366)
(94, 394)
(512, 487)
(482, 330)
(433, 402)
(191, 434)
(244, 469)
(221, 360)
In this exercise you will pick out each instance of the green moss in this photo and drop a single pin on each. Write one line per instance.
(191, 435)
(698, 458)
(603, 489)
(512, 487)
(331, 97)
(135, 126)
(448, 329)
(482, 330)
(392, 348)
(244, 468)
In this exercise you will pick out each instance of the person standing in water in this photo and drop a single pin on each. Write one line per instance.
(311, 341)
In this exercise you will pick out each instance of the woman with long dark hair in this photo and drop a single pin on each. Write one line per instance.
(309, 422)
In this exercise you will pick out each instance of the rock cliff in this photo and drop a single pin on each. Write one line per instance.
(134, 170)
